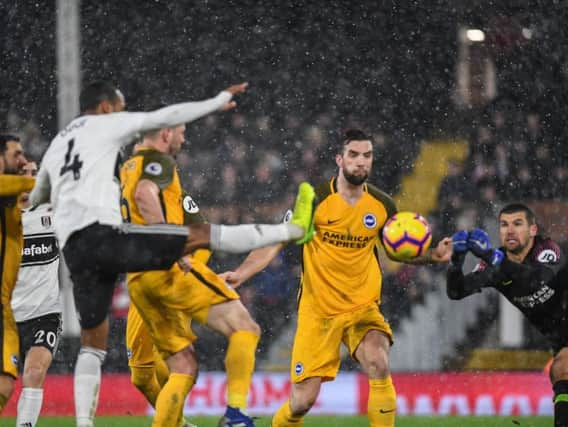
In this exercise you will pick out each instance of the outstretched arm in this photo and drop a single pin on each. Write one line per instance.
(12, 185)
(176, 114)
(459, 286)
(254, 263)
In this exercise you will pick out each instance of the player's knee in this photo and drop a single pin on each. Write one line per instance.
(34, 376)
(301, 405)
(253, 327)
(241, 320)
(6, 389)
(559, 368)
(377, 365)
(199, 237)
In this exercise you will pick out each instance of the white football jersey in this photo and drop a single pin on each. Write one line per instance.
(37, 289)
(79, 171)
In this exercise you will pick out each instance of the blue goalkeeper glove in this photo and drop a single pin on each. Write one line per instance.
(479, 244)
(459, 248)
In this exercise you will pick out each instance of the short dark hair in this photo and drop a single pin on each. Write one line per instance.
(519, 207)
(349, 135)
(95, 93)
(4, 139)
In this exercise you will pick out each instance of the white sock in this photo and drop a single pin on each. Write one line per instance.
(87, 382)
(29, 407)
(246, 237)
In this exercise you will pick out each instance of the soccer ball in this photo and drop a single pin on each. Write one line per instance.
(406, 235)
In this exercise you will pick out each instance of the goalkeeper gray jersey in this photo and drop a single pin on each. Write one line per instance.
(37, 289)
(79, 169)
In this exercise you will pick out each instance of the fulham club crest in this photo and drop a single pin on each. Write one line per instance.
(46, 221)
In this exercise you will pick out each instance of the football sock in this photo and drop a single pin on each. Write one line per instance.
(162, 374)
(144, 379)
(246, 237)
(161, 369)
(86, 384)
(560, 403)
(239, 365)
(29, 407)
(171, 400)
(284, 418)
(381, 406)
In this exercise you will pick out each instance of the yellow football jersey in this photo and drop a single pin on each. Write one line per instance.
(341, 270)
(11, 244)
(159, 168)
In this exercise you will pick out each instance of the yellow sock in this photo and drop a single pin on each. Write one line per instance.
(162, 370)
(144, 379)
(3, 401)
(284, 418)
(239, 365)
(171, 399)
(381, 407)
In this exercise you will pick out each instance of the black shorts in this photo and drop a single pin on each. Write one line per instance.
(97, 254)
(43, 331)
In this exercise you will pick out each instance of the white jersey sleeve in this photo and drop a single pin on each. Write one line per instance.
(37, 289)
(80, 169)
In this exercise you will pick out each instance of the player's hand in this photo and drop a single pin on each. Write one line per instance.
(239, 88)
(233, 90)
(232, 278)
(459, 241)
(185, 264)
(442, 251)
(478, 242)
(459, 248)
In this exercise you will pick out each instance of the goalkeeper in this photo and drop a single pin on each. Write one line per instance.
(529, 270)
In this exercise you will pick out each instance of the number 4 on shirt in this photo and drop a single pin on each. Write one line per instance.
(75, 166)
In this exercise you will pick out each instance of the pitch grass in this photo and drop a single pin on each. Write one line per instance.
(311, 421)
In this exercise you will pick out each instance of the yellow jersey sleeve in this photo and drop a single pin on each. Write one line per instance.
(12, 185)
(160, 169)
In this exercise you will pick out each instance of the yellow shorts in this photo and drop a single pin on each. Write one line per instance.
(139, 346)
(10, 342)
(167, 301)
(318, 340)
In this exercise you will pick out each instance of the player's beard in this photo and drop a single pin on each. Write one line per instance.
(355, 179)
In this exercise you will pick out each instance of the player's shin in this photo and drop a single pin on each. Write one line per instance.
(145, 380)
(246, 237)
(171, 399)
(161, 369)
(239, 365)
(86, 385)
(29, 406)
(381, 406)
(560, 403)
(284, 417)
(6, 389)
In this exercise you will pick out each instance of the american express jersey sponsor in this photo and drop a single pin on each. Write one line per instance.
(346, 240)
